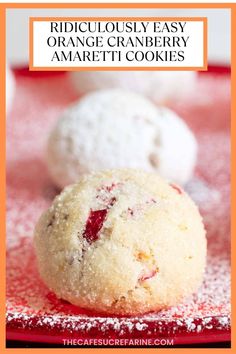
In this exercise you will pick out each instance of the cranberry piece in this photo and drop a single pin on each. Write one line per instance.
(94, 224)
(130, 212)
(178, 189)
(111, 202)
(109, 188)
(148, 275)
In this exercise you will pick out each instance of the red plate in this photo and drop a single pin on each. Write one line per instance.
(34, 313)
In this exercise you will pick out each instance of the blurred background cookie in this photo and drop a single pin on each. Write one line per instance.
(118, 129)
(160, 86)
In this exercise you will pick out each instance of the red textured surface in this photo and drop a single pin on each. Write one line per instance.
(33, 312)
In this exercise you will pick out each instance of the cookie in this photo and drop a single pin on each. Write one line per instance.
(160, 86)
(121, 242)
(120, 129)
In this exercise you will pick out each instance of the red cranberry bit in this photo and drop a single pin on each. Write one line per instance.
(97, 217)
(177, 188)
(111, 202)
(149, 275)
(94, 224)
(105, 197)
(130, 212)
(109, 188)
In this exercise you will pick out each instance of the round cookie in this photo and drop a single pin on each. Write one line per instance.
(119, 129)
(10, 88)
(121, 242)
(160, 86)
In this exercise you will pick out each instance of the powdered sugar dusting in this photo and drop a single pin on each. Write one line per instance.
(30, 304)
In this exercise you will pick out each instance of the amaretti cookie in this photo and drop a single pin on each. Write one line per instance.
(121, 242)
(160, 86)
(119, 129)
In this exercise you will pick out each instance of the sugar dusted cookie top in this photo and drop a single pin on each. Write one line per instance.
(121, 242)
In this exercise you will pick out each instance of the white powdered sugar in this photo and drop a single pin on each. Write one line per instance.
(31, 307)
